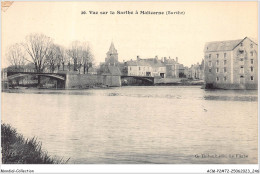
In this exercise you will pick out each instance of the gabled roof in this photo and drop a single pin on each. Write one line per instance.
(146, 62)
(221, 45)
(224, 45)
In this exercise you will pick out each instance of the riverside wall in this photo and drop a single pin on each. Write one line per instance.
(76, 81)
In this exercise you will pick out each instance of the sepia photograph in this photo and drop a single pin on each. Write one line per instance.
(131, 82)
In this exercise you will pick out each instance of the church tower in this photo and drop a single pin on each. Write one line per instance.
(112, 56)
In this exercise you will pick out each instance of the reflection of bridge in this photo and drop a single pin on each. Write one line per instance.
(148, 79)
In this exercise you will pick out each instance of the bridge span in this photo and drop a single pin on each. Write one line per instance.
(148, 79)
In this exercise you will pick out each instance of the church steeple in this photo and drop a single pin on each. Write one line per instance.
(112, 49)
(112, 55)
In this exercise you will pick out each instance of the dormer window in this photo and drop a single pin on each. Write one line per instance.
(251, 45)
(241, 44)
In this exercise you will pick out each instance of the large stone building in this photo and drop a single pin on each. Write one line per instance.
(231, 64)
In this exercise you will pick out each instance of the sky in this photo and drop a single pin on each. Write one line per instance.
(146, 36)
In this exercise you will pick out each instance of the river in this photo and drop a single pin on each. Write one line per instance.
(143, 124)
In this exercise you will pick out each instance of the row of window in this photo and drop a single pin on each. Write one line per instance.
(217, 55)
(225, 54)
(241, 77)
(225, 69)
(225, 62)
(149, 68)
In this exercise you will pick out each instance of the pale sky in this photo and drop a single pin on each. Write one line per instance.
(181, 36)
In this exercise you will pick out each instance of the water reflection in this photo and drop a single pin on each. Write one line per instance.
(152, 124)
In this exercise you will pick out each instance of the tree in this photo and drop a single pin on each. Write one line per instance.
(81, 55)
(16, 56)
(62, 56)
(52, 57)
(87, 57)
(37, 46)
(74, 52)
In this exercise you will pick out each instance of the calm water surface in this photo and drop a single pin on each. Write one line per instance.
(173, 125)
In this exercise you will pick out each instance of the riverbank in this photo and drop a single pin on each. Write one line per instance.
(18, 150)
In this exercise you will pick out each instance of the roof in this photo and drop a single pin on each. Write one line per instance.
(146, 62)
(225, 45)
(221, 45)
(112, 49)
(113, 70)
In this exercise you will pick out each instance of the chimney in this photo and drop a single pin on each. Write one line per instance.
(138, 58)
(164, 59)
(176, 59)
(156, 57)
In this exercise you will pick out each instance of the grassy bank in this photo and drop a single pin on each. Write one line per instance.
(18, 150)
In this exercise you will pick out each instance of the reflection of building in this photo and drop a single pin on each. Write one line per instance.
(146, 67)
(112, 56)
(231, 64)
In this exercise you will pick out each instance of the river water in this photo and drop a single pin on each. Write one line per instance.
(150, 124)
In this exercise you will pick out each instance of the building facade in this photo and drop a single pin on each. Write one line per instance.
(196, 71)
(231, 64)
(146, 67)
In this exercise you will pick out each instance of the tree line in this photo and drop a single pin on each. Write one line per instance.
(43, 53)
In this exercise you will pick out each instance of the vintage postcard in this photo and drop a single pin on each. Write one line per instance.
(129, 83)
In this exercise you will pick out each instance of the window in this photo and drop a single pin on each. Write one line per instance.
(225, 62)
(241, 59)
(225, 55)
(217, 79)
(252, 53)
(210, 70)
(251, 45)
(210, 56)
(130, 69)
(217, 55)
(225, 69)
(252, 78)
(225, 78)
(217, 63)
(241, 69)
(252, 61)
(139, 68)
(210, 63)
(217, 70)
(241, 44)
(252, 69)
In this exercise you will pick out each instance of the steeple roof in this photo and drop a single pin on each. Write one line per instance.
(112, 49)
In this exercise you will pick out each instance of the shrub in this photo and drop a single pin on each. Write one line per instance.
(18, 150)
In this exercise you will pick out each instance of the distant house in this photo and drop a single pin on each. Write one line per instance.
(146, 67)
(196, 71)
(231, 64)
